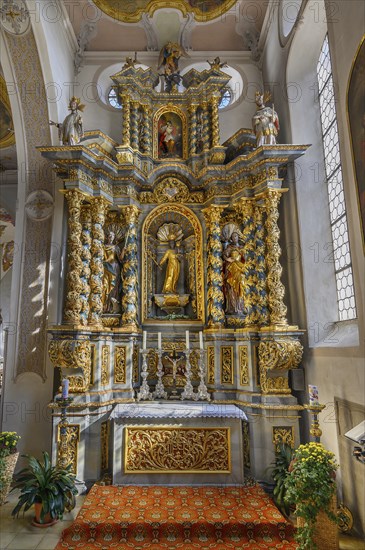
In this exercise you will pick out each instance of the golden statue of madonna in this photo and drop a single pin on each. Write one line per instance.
(171, 233)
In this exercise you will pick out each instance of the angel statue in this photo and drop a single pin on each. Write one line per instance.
(113, 257)
(216, 63)
(171, 233)
(265, 121)
(169, 60)
(70, 131)
(234, 270)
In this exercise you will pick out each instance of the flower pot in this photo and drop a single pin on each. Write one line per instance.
(326, 530)
(7, 475)
(47, 520)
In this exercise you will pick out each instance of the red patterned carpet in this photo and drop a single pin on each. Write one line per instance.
(177, 517)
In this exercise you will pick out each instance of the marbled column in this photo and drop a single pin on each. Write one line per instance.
(276, 288)
(74, 284)
(130, 269)
(85, 257)
(147, 120)
(215, 297)
(192, 125)
(215, 121)
(98, 211)
(206, 125)
(126, 102)
(134, 125)
(262, 309)
(245, 208)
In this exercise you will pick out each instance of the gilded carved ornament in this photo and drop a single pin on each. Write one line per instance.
(177, 450)
(283, 435)
(74, 354)
(67, 445)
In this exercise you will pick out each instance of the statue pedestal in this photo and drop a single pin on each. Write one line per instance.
(172, 303)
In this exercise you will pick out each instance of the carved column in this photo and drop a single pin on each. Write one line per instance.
(74, 284)
(245, 208)
(192, 122)
(215, 121)
(206, 136)
(126, 120)
(262, 312)
(98, 211)
(216, 315)
(85, 257)
(134, 125)
(147, 120)
(129, 270)
(276, 288)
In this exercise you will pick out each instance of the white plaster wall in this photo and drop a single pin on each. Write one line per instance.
(25, 399)
(335, 359)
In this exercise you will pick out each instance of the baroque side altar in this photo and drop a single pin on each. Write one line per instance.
(169, 231)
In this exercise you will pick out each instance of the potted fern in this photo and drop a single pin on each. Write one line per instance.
(51, 489)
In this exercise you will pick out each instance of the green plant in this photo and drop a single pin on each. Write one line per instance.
(8, 443)
(49, 485)
(311, 485)
(280, 471)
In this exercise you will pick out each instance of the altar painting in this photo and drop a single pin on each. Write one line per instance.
(170, 136)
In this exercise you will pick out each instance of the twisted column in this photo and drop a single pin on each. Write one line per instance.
(147, 121)
(85, 258)
(276, 288)
(129, 269)
(134, 125)
(215, 296)
(192, 123)
(261, 306)
(126, 120)
(245, 208)
(215, 121)
(74, 284)
(98, 210)
(206, 140)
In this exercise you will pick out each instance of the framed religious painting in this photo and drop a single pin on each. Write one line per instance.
(169, 134)
(356, 119)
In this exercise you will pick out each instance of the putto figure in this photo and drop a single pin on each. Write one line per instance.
(265, 121)
(70, 131)
(216, 63)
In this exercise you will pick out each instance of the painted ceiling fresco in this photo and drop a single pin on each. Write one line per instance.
(131, 11)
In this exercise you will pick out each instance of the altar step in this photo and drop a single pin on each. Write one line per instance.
(181, 517)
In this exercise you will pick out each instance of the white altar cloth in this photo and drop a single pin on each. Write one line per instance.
(176, 410)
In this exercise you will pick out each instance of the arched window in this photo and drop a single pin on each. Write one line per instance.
(336, 198)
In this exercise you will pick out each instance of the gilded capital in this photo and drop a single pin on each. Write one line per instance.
(131, 213)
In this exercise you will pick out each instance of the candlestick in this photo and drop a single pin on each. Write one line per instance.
(201, 340)
(159, 340)
(188, 392)
(187, 339)
(144, 391)
(159, 392)
(65, 387)
(144, 345)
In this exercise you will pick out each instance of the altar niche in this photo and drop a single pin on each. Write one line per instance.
(172, 274)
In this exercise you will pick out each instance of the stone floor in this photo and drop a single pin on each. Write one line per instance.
(19, 534)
